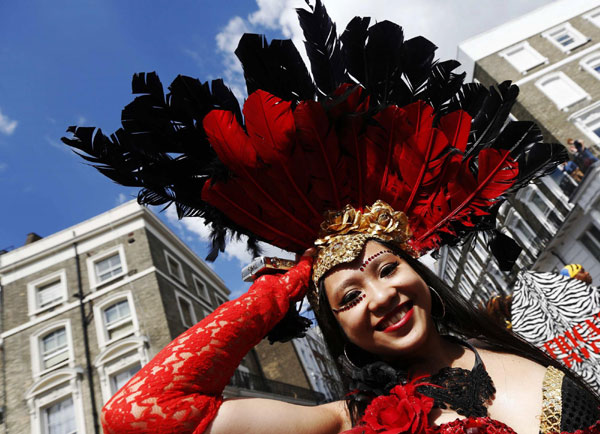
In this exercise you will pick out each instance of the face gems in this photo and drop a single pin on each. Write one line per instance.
(350, 305)
(370, 258)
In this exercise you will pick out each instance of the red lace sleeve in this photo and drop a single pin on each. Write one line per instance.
(179, 391)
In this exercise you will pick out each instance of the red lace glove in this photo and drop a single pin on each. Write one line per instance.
(179, 391)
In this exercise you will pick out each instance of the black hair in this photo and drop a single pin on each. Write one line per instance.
(461, 319)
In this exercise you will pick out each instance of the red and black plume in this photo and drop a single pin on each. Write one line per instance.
(377, 118)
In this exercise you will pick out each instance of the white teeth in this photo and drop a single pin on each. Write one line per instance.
(396, 317)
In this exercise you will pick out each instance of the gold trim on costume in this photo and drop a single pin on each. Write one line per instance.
(344, 233)
(552, 401)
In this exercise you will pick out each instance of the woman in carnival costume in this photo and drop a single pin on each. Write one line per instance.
(377, 158)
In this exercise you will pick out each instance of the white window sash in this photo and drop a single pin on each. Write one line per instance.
(523, 57)
(553, 35)
(553, 84)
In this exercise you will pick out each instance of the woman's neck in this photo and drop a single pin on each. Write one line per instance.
(437, 353)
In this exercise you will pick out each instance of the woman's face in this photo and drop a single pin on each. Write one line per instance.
(382, 304)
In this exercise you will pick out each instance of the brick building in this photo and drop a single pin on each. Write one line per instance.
(553, 55)
(83, 309)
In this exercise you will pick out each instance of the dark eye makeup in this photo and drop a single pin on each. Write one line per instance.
(388, 269)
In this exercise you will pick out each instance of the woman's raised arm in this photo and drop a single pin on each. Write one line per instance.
(179, 390)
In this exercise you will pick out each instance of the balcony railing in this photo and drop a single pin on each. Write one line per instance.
(260, 384)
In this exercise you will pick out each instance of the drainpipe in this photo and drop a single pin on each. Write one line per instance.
(4, 391)
(86, 343)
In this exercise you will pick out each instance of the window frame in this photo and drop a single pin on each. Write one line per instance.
(590, 63)
(579, 38)
(117, 357)
(188, 300)
(180, 277)
(51, 389)
(91, 266)
(201, 292)
(585, 119)
(525, 241)
(37, 366)
(32, 299)
(574, 87)
(543, 216)
(593, 17)
(507, 54)
(597, 241)
(101, 330)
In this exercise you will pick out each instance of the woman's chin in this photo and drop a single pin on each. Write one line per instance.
(395, 344)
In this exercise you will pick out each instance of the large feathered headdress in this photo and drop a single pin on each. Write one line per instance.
(380, 140)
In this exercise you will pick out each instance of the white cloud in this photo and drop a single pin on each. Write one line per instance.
(445, 23)
(81, 120)
(121, 198)
(7, 125)
(3, 166)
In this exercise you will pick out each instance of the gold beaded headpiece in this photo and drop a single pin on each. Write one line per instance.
(344, 234)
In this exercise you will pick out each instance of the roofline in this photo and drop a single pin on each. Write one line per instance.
(121, 214)
(519, 29)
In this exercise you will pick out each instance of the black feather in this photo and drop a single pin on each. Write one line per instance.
(505, 250)
(323, 48)
(418, 54)
(385, 65)
(276, 68)
(353, 41)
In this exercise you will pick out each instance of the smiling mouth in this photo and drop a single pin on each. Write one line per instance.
(396, 318)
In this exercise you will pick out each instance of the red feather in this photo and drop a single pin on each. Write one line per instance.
(497, 173)
(233, 146)
(456, 127)
(380, 141)
(238, 205)
(271, 127)
(319, 142)
(229, 140)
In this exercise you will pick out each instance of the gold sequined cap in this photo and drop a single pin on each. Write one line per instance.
(345, 232)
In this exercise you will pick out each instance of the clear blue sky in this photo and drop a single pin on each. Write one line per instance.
(70, 62)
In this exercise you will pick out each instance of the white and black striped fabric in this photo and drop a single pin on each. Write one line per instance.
(560, 315)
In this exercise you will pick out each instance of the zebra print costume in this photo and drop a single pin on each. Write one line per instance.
(551, 309)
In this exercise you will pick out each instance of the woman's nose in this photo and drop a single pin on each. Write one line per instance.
(382, 297)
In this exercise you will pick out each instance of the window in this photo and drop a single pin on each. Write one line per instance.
(565, 37)
(174, 267)
(107, 266)
(593, 17)
(55, 403)
(543, 208)
(119, 379)
(588, 121)
(186, 311)
(54, 348)
(524, 234)
(47, 292)
(591, 64)
(591, 240)
(51, 348)
(201, 288)
(59, 418)
(120, 361)
(523, 57)
(563, 91)
(115, 318)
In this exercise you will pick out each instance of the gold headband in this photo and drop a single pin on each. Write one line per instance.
(344, 234)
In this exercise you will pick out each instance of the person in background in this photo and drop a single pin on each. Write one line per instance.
(576, 271)
(583, 156)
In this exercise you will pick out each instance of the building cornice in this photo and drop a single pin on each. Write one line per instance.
(519, 29)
